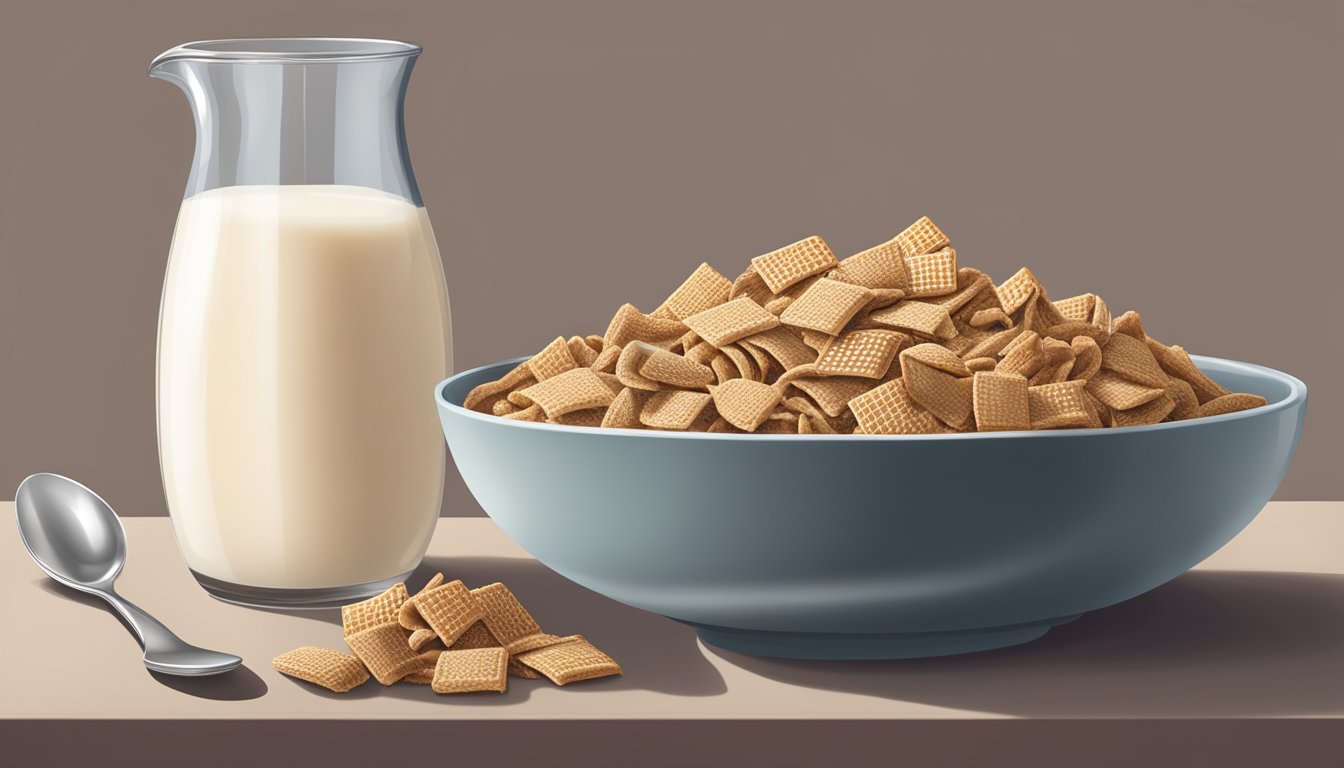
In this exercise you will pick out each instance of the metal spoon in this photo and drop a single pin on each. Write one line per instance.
(77, 539)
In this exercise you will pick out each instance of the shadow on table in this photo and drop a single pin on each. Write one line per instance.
(1210, 643)
(241, 684)
(656, 654)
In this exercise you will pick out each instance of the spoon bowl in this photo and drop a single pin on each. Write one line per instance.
(77, 540)
(74, 536)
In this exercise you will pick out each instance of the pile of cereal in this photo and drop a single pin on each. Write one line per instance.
(453, 639)
(893, 340)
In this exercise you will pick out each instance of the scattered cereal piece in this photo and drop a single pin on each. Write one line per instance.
(407, 615)
(518, 669)
(379, 609)
(386, 651)
(423, 676)
(448, 609)
(478, 635)
(333, 670)
(421, 638)
(570, 661)
(473, 669)
(487, 636)
(505, 617)
(533, 642)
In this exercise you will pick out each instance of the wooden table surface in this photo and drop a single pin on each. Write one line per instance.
(1240, 661)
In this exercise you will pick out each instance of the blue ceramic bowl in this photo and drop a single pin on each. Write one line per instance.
(867, 546)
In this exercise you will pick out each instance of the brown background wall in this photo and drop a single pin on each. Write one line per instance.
(1183, 159)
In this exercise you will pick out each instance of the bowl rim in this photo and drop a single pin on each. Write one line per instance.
(1297, 393)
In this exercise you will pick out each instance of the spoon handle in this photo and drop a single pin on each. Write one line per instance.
(153, 636)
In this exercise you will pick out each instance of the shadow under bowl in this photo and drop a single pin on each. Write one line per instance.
(876, 546)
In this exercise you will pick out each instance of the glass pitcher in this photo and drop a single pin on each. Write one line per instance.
(303, 326)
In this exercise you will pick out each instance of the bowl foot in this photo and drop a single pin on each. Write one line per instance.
(864, 645)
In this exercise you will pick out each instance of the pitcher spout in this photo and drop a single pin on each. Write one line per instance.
(296, 111)
(169, 70)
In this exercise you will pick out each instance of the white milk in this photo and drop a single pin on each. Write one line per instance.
(302, 331)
